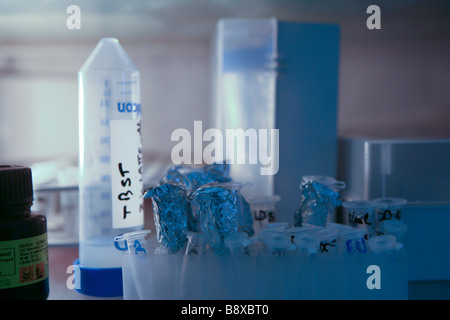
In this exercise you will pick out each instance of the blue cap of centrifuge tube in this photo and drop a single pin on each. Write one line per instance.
(98, 282)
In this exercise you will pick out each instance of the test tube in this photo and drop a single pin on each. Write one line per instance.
(110, 155)
(361, 215)
(242, 278)
(192, 267)
(132, 244)
(388, 209)
(263, 211)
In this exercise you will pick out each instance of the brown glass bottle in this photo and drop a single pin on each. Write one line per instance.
(23, 239)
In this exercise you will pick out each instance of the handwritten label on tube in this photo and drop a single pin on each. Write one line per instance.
(126, 177)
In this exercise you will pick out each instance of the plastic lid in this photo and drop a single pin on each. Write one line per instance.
(310, 227)
(108, 54)
(326, 233)
(391, 202)
(277, 239)
(16, 186)
(306, 241)
(279, 226)
(352, 233)
(340, 227)
(131, 241)
(294, 230)
(238, 239)
(359, 204)
(383, 243)
(98, 282)
(263, 199)
(395, 227)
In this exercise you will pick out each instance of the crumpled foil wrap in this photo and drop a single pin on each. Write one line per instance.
(221, 210)
(200, 200)
(171, 209)
(317, 201)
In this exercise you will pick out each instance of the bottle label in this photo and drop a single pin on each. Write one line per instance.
(23, 262)
(126, 175)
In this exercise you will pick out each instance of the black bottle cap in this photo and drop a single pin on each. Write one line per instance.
(16, 186)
